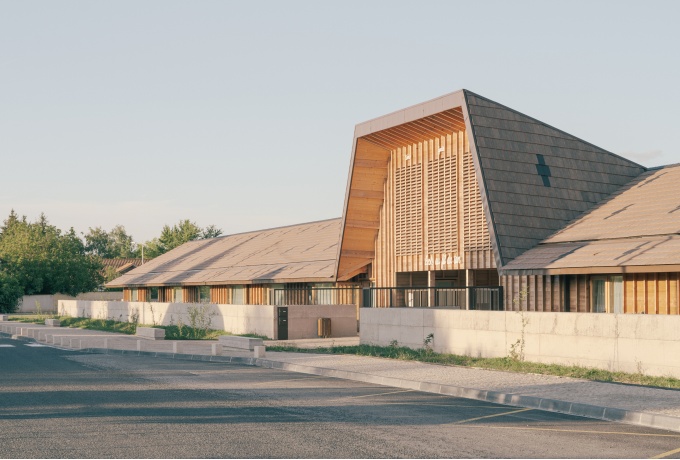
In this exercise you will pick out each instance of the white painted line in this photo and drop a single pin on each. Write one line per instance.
(35, 345)
(6, 345)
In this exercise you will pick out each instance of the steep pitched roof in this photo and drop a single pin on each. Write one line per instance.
(635, 229)
(297, 253)
(536, 178)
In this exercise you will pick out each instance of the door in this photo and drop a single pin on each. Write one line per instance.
(283, 323)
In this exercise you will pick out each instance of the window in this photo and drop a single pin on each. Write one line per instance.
(204, 294)
(237, 295)
(153, 294)
(134, 295)
(607, 294)
(177, 295)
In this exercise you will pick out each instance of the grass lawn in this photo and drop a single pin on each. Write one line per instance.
(501, 364)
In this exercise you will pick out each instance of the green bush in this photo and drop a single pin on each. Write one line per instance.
(10, 293)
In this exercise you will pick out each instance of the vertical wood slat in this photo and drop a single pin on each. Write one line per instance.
(189, 294)
(422, 205)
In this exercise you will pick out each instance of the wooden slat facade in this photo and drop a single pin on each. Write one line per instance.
(648, 293)
(432, 218)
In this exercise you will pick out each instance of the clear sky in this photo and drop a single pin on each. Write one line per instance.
(241, 114)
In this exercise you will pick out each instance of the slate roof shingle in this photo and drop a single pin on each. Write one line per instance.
(636, 227)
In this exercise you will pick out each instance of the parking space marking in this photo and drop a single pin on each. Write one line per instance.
(626, 433)
(6, 345)
(444, 405)
(35, 345)
(286, 380)
(667, 454)
(374, 394)
(493, 415)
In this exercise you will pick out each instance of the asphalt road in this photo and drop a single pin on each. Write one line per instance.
(56, 403)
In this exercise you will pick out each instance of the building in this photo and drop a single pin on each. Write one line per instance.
(463, 202)
(285, 265)
(457, 202)
(622, 256)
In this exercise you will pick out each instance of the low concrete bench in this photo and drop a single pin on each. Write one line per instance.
(4, 317)
(246, 343)
(150, 333)
(52, 322)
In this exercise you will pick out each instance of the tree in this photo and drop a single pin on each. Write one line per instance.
(177, 235)
(10, 293)
(43, 260)
(110, 245)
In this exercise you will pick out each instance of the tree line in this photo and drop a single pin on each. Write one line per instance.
(38, 258)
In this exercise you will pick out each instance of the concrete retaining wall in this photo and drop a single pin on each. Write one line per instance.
(630, 343)
(48, 303)
(237, 319)
(104, 295)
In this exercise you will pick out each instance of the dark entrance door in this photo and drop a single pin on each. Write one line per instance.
(283, 323)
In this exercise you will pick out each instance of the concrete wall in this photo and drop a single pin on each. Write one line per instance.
(302, 320)
(630, 343)
(237, 319)
(48, 303)
(104, 295)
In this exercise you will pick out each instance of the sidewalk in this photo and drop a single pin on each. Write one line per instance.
(652, 407)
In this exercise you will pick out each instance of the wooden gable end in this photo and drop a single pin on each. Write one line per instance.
(413, 202)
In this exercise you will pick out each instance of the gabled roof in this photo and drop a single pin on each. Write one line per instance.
(534, 179)
(637, 229)
(297, 253)
(122, 265)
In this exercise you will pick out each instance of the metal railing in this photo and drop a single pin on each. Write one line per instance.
(315, 296)
(469, 297)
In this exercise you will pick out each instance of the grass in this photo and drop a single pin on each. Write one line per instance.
(394, 352)
(501, 364)
(171, 332)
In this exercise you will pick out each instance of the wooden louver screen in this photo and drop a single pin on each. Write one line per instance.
(442, 223)
(476, 234)
(409, 210)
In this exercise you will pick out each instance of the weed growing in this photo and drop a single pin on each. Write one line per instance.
(394, 351)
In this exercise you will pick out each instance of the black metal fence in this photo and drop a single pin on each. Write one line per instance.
(469, 297)
(316, 296)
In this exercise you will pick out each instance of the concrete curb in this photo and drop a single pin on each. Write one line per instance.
(658, 421)
(662, 422)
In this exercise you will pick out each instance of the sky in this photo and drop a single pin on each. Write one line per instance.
(241, 114)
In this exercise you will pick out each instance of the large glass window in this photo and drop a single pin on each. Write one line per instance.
(237, 295)
(204, 294)
(599, 295)
(607, 294)
(177, 295)
(134, 295)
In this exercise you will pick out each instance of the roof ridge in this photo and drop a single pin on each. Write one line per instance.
(274, 228)
(466, 91)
